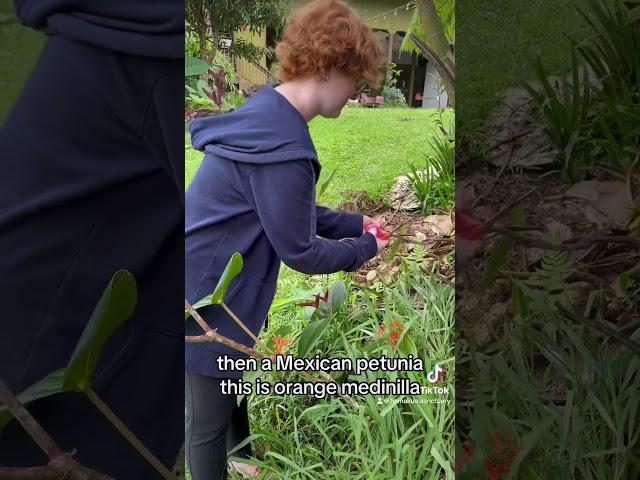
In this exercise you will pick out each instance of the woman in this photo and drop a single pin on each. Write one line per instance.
(255, 194)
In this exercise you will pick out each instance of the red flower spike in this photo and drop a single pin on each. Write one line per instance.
(381, 331)
(316, 301)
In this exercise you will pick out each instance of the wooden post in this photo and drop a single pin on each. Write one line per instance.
(412, 78)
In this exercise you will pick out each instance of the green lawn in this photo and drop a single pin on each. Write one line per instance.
(494, 38)
(19, 49)
(376, 141)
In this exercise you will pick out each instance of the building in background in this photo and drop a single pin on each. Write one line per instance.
(418, 79)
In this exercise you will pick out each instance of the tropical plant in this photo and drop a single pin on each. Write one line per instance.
(566, 109)
(217, 81)
(593, 116)
(437, 18)
(435, 185)
(209, 20)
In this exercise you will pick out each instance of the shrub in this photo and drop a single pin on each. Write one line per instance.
(393, 97)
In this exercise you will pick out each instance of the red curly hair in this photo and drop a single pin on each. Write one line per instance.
(328, 34)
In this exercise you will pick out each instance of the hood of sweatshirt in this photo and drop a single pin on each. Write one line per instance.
(151, 28)
(266, 129)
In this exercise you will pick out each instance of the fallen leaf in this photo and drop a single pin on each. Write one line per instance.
(607, 204)
(440, 224)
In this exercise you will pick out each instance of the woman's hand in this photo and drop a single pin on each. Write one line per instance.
(376, 227)
(366, 221)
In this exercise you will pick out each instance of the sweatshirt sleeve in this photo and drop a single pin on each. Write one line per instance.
(336, 225)
(283, 197)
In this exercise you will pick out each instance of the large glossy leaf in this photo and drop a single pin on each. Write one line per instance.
(194, 66)
(311, 336)
(114, 307)
(49, 385)
(231, 271)
(337, 295)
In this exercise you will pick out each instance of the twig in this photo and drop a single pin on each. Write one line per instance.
(30, 424)
(571, 244)
(128, 434)
(489, 222)
(213, 336)
(61, 465)
(243, 326)
(503, 168)
(197, 318)
(401, 198)
(509, 139)
(401, 225)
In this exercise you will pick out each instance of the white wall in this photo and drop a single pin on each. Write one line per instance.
(433, 98)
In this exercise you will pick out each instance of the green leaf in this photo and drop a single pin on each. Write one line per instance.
(500, 252)
(625, 278)
(311, 335)
(233, 268)
(325, 184)
(528, 443)
(231, 271)
(52, 384)
(337, 295)
(634, 15)
(194, 66)
(408, 346)
(114, 307)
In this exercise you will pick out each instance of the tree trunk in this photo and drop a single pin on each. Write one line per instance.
(432, 25)
(202, 40)
(446, 74)
(437, 45)
(215, 33)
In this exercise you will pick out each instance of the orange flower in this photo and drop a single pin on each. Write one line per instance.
(380, 332)
(397, 326)
(393, 339)
(281, 344)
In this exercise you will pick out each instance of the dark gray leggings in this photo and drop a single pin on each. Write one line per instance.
(214, 425)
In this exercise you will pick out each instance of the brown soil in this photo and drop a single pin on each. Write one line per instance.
(408, 229)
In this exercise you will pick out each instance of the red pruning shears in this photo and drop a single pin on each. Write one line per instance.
(377, 232)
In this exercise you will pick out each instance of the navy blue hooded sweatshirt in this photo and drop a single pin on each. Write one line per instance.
(255, 194)
(92, 157)
(149, 28)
